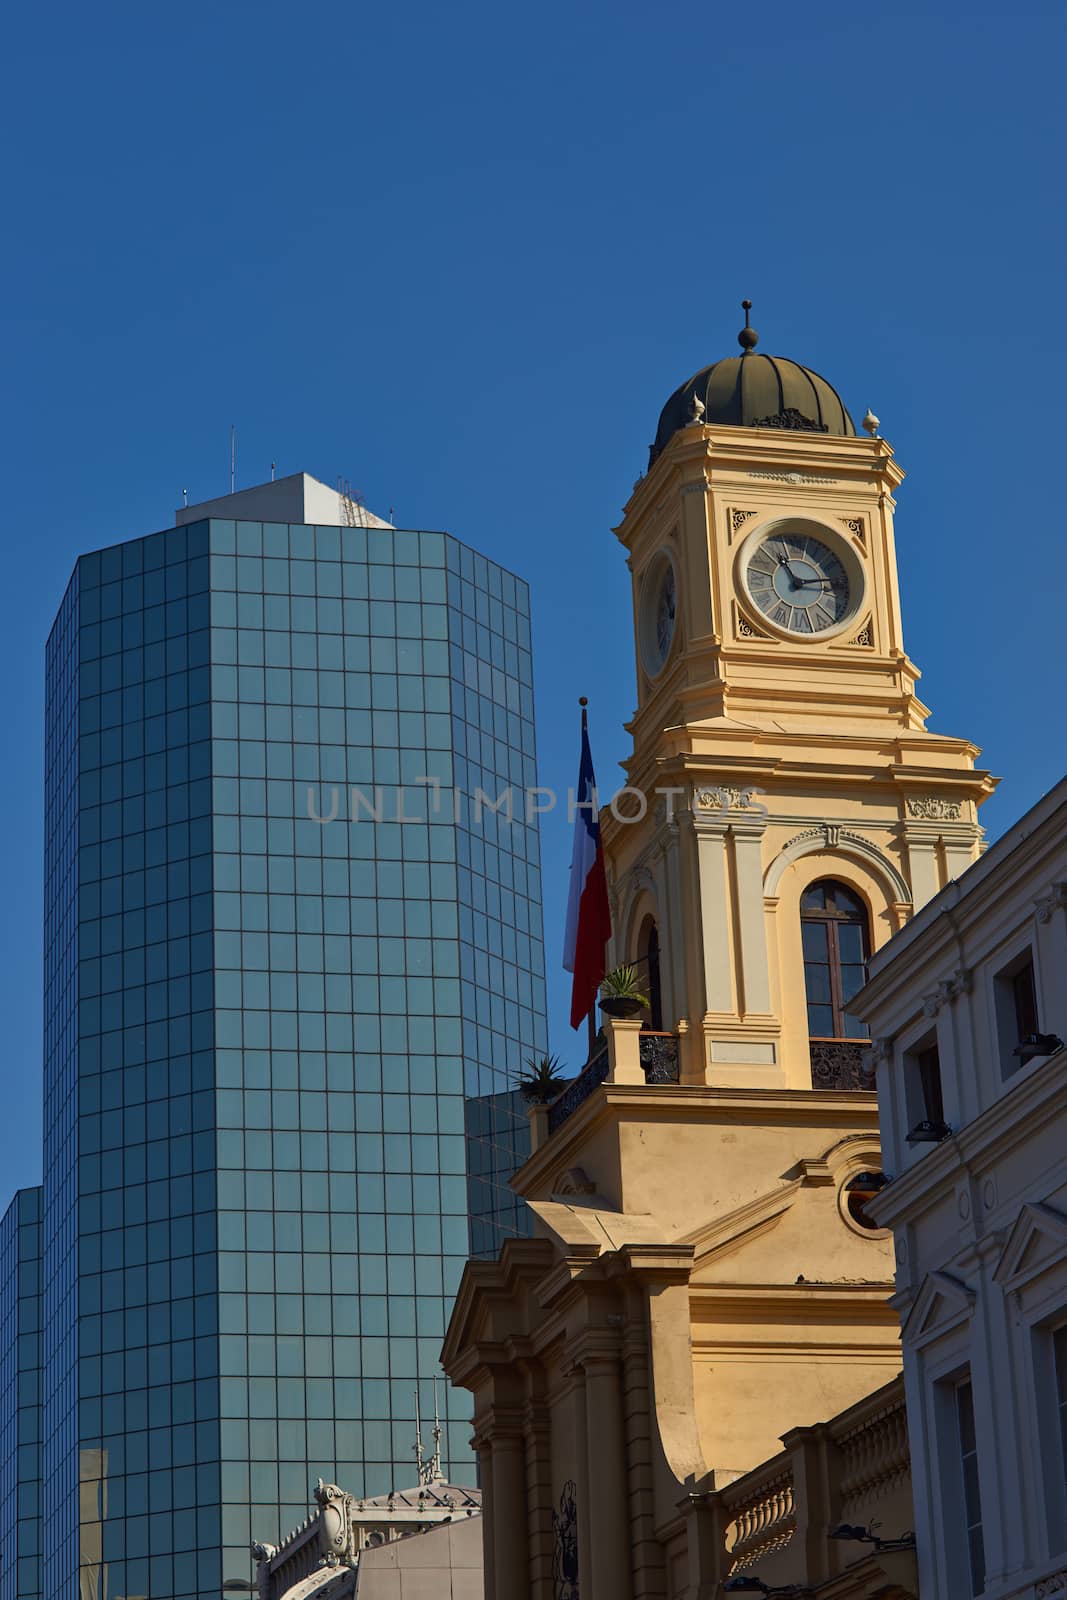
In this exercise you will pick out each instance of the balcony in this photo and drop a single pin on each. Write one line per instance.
(577, 1092)
(774, 1522)
(841, 1064)
(657, 1055)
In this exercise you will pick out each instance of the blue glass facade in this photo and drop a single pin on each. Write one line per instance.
(284, 956)
(20, 1397)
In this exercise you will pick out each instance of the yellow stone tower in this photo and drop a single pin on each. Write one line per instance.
(778, 740)
(703, 1276)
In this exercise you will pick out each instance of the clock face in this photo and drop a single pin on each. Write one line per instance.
(658, 602)
(799, 583)
(665, 602)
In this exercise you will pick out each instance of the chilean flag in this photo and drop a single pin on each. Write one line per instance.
(588, 915)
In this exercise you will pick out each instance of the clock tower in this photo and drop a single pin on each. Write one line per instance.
(778, 741)
(704, 1276)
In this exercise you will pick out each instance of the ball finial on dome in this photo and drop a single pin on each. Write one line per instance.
(748, 338)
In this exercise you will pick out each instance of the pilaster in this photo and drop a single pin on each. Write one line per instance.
(537, 1433)
(710, 835)
(608, 1523)
(940, 845)
(510, 1558)
(747, 836)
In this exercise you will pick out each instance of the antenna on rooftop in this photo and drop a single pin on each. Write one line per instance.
(429, 1471)
(435, 1459)
(272, 472)
(233, 457)
(419, 1462)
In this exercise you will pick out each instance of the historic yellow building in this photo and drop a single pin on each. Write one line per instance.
(703, 1274)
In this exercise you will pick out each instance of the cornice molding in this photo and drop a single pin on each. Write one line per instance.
(1010, 1121)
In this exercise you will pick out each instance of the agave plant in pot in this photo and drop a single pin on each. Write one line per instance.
(621, 994)
(542, 1080)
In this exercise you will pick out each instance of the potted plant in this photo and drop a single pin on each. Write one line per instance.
(621, 994)
(542, 1080)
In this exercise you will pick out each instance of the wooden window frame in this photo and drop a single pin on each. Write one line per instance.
(831, 921)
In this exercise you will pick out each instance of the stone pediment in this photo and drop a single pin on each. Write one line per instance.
(1037, 1241)
(493, 1296)
(943, 1302)
(732, 1232)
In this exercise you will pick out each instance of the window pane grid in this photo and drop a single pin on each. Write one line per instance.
(834, 941)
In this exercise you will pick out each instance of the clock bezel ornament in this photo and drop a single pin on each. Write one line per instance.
(654, 657)
(838, 546)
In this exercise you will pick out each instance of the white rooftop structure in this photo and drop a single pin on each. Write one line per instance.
(404, 1545)
(300, 499)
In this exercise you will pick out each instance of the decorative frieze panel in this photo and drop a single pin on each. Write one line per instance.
(792, 420)
(728, 797)
(933, 808)
(795, 477)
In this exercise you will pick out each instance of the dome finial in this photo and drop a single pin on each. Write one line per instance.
(748, 338)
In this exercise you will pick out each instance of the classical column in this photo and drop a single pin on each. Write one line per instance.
(485, 1477)
(607, 1522)
(582, 1474)
(646, 1551)
(537, 1430)
(510, 1556)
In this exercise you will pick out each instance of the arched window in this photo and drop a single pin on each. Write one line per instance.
(833, 928)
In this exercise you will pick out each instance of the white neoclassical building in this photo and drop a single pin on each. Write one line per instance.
(967, 1008)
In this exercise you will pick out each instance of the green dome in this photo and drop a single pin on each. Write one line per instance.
(754, 391)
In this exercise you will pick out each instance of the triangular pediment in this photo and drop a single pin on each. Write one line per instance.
(941, 1303)
(1037, 1242)
(731, 1232)
(490, 1303)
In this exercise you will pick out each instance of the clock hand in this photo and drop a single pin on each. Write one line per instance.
(783, 561)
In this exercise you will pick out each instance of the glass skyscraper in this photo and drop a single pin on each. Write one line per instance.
(20, 1398)
(291, 958)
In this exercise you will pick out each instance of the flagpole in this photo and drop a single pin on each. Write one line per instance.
(583, 701)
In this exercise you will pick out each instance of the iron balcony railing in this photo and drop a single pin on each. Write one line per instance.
(659, 1057)
(659, 1060)
(841, 1064)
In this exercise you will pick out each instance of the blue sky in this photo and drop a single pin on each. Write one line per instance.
(461, 255)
